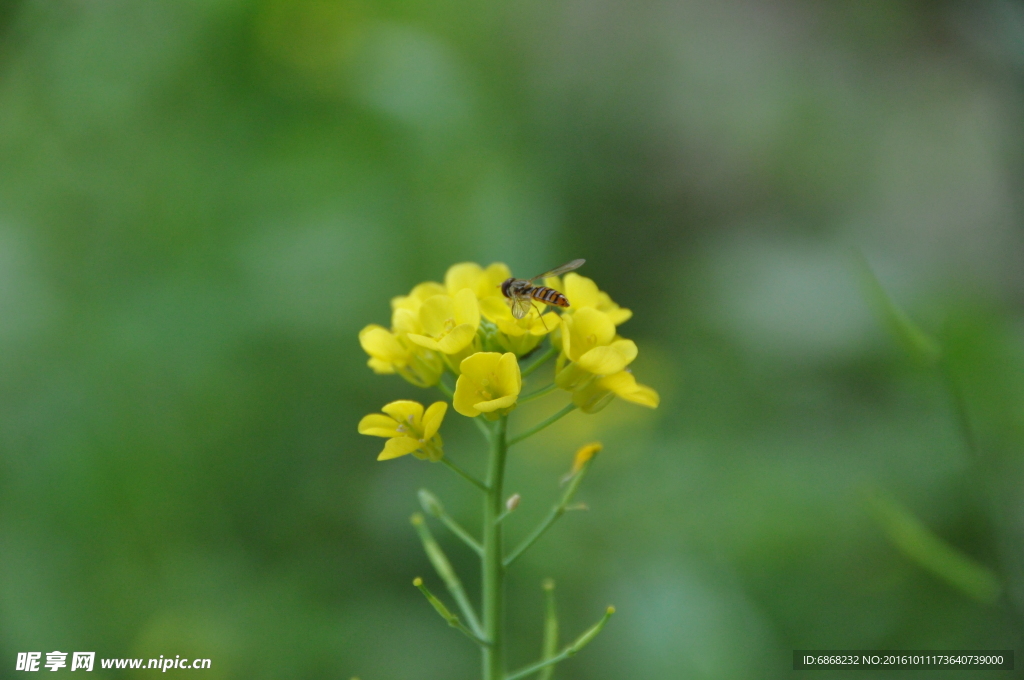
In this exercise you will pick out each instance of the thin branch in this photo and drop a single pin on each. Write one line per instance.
(465, 475)
(550, 629)
(556, 512)
(445, 390)
(529, 433)
(959, 408)
(569, 651)
(444, 569)
(550, 352)
(432, 506)
(536, 394)
(483, 427)
(446, 614)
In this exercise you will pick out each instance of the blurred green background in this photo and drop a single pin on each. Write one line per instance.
(201, 203)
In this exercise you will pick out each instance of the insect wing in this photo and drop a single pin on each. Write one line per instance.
(567, 267)
(521, 306)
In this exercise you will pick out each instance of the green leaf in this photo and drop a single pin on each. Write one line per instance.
(921, 545)
(919, 344)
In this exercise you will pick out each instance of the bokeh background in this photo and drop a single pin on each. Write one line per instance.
(202, 202)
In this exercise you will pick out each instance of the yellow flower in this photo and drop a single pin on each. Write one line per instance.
(596, 395)
(449, 323)
(393, 353)
(483, 282)
(588, 338)
(417, 296)
(408, 429)
(594, 360)
(489, 383)
(518, 336)
(585, 453)
(583, 292)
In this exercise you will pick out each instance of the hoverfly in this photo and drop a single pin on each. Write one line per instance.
(520, 292)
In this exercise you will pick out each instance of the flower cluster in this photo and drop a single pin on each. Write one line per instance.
(465, 327)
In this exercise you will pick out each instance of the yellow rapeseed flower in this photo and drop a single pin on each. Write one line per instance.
(449, 323)
(483, 282)
(594, 360)
(585, 453)
(392, 352)
(518, 336)
(589, 340)
(597, 394)
(489, 383)
(408, 428)
(417, 296)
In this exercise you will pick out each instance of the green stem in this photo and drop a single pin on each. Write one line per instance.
(556, 512)
(446, 614)
(548, 353)
(536, 394)
(569, 651)
(445, 390)
(492, 566)
(482, 426)
(550, 629)
(959, 408)
(433, 507)
(444, 569)
(465, 475)
(529, 433)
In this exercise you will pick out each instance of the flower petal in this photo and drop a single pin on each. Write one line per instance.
(399, 446)
(644, 396)
(378, 425)
(543, 325)
(415, 298)
(405, 321)
(467, 310)
(479, 364)
(586, 329)
(495, 404)
(463, 275)
(494, 275)
(381, 367)
(495, 309)
(436, 313)
(432, 419)
(619, 315)
(379, 343)
(403, 408)
(585, 453)
(609, 359)
(465, 395)
(624, 385)
(581, 291)
(509, 377)
(424, 341)
(457, 340)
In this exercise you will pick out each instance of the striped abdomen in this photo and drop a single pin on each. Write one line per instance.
(548, 296)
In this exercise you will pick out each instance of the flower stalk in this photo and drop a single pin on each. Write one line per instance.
(444, 569)
(465, 327)
(580, 642)
(557, 511)
(534, 430)
(452, 619)
(492, 564)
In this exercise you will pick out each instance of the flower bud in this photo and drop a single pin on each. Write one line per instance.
(430, 504)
